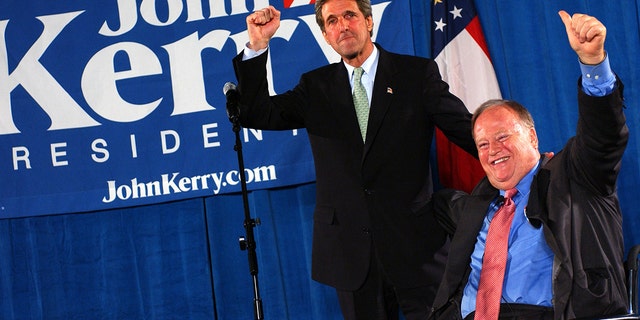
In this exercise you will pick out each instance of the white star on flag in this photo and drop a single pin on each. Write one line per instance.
(456, 12)
(440, 25)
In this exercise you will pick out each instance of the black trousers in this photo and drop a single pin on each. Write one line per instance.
(514, 311)
(378, 299)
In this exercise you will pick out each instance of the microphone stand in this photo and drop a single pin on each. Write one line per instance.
(248, 243)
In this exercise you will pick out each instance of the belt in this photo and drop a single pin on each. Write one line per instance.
(515, 311)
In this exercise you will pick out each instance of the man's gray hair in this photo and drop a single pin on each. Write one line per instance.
(363, 5)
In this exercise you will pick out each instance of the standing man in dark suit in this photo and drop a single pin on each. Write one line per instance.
(564, 243)
(374, 237)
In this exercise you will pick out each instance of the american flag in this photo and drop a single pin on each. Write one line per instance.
(297, 3)
(459, 48)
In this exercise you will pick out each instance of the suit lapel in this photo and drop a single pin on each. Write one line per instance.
(339, 93)
(470, 214)
(537, 206)
(478, 202)
(381, 97)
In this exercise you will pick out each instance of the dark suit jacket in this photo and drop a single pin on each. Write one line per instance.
(369, 196)
(573, 197)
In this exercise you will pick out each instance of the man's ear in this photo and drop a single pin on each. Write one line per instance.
(533, 136)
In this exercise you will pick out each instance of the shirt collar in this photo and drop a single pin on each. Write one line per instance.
(524, 186)
(367, 66)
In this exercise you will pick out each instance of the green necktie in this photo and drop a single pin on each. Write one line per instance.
(360, 101)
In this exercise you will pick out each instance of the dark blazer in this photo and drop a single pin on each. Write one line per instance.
(573, 197)
(369, 196)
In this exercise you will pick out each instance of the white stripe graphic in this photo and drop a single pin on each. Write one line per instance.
(297, 3)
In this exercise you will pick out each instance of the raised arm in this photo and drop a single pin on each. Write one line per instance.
(261, 26)
(601, 134)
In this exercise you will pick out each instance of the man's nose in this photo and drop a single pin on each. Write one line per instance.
(494, 148)
(343, 23)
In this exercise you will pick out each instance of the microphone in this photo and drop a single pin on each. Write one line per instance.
(230, 90)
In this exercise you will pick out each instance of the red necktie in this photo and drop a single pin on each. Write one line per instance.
(495, 260)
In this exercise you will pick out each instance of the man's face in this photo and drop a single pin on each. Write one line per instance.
(347, 31)
(507, 149)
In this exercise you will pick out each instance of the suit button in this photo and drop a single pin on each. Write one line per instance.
(368, 192)
(365, 231)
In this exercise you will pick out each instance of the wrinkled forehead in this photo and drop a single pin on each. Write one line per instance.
(495, 120)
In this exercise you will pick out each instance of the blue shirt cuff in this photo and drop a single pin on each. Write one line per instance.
(598, 80)
(250, 53)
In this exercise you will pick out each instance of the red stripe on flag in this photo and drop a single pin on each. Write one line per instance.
(475, 30)
(457, 168)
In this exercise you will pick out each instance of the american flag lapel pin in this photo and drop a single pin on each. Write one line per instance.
(389, 90)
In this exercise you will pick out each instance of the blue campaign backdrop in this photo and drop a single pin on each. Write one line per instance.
(171, 251)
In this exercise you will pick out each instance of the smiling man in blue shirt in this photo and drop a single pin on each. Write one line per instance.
(529, 271)
(565, 247)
